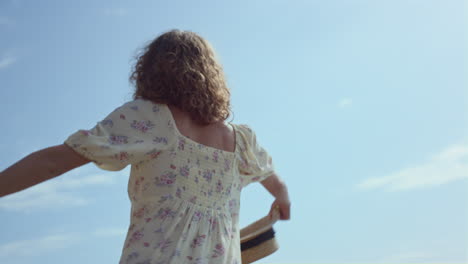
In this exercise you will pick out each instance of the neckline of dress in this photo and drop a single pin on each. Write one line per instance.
(172, 120)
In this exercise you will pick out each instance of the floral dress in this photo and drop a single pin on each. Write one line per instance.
(184, 195)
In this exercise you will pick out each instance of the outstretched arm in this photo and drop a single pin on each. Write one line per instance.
(39, 166)
(278, 189)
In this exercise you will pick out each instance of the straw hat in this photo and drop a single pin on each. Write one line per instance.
(258, 239)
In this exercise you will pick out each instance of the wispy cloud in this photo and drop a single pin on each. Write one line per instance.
(7, 61)
(54, 193)
(116, 11)
(447, 166)
(57, 241)
(110, 231)
(410, 257)
(345, 102)
(40, 245)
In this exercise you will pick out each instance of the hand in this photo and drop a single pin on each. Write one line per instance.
(278, 189)
(284, 207)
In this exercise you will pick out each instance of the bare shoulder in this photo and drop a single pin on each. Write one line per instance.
(229, 135)
(228, 130)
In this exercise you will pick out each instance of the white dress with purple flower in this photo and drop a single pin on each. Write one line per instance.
(184, 195)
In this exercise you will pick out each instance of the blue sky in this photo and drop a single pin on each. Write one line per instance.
(362, 104)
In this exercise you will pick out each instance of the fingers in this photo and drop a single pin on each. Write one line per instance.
(275, 211)
(285, 212)
(283, 208)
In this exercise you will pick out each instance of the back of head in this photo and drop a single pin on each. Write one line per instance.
(180, 68)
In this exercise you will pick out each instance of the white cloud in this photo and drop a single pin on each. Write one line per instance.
(345, 102)
(409, 257)
(116, 11)
(110, 231)
(7, 61)
(36, 199)
(447, 166)
(53, 242)
(38, 246)
(57, 192)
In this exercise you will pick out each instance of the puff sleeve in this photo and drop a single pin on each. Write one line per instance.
(255, 163)
(132, 133)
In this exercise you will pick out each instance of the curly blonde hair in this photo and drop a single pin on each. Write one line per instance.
(180, 68)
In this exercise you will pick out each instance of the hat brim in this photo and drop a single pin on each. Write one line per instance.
(258, 239)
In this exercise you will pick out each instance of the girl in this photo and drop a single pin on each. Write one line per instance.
(188, 166)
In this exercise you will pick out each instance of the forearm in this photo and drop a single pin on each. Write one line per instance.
(276, 186)
(31, 170)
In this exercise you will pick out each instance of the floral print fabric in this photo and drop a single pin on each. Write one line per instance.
(184, 195)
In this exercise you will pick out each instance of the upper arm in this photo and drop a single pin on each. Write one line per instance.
(270, 183)
(63, 158)
(131, 134)
(256, 163)
(274, 184)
